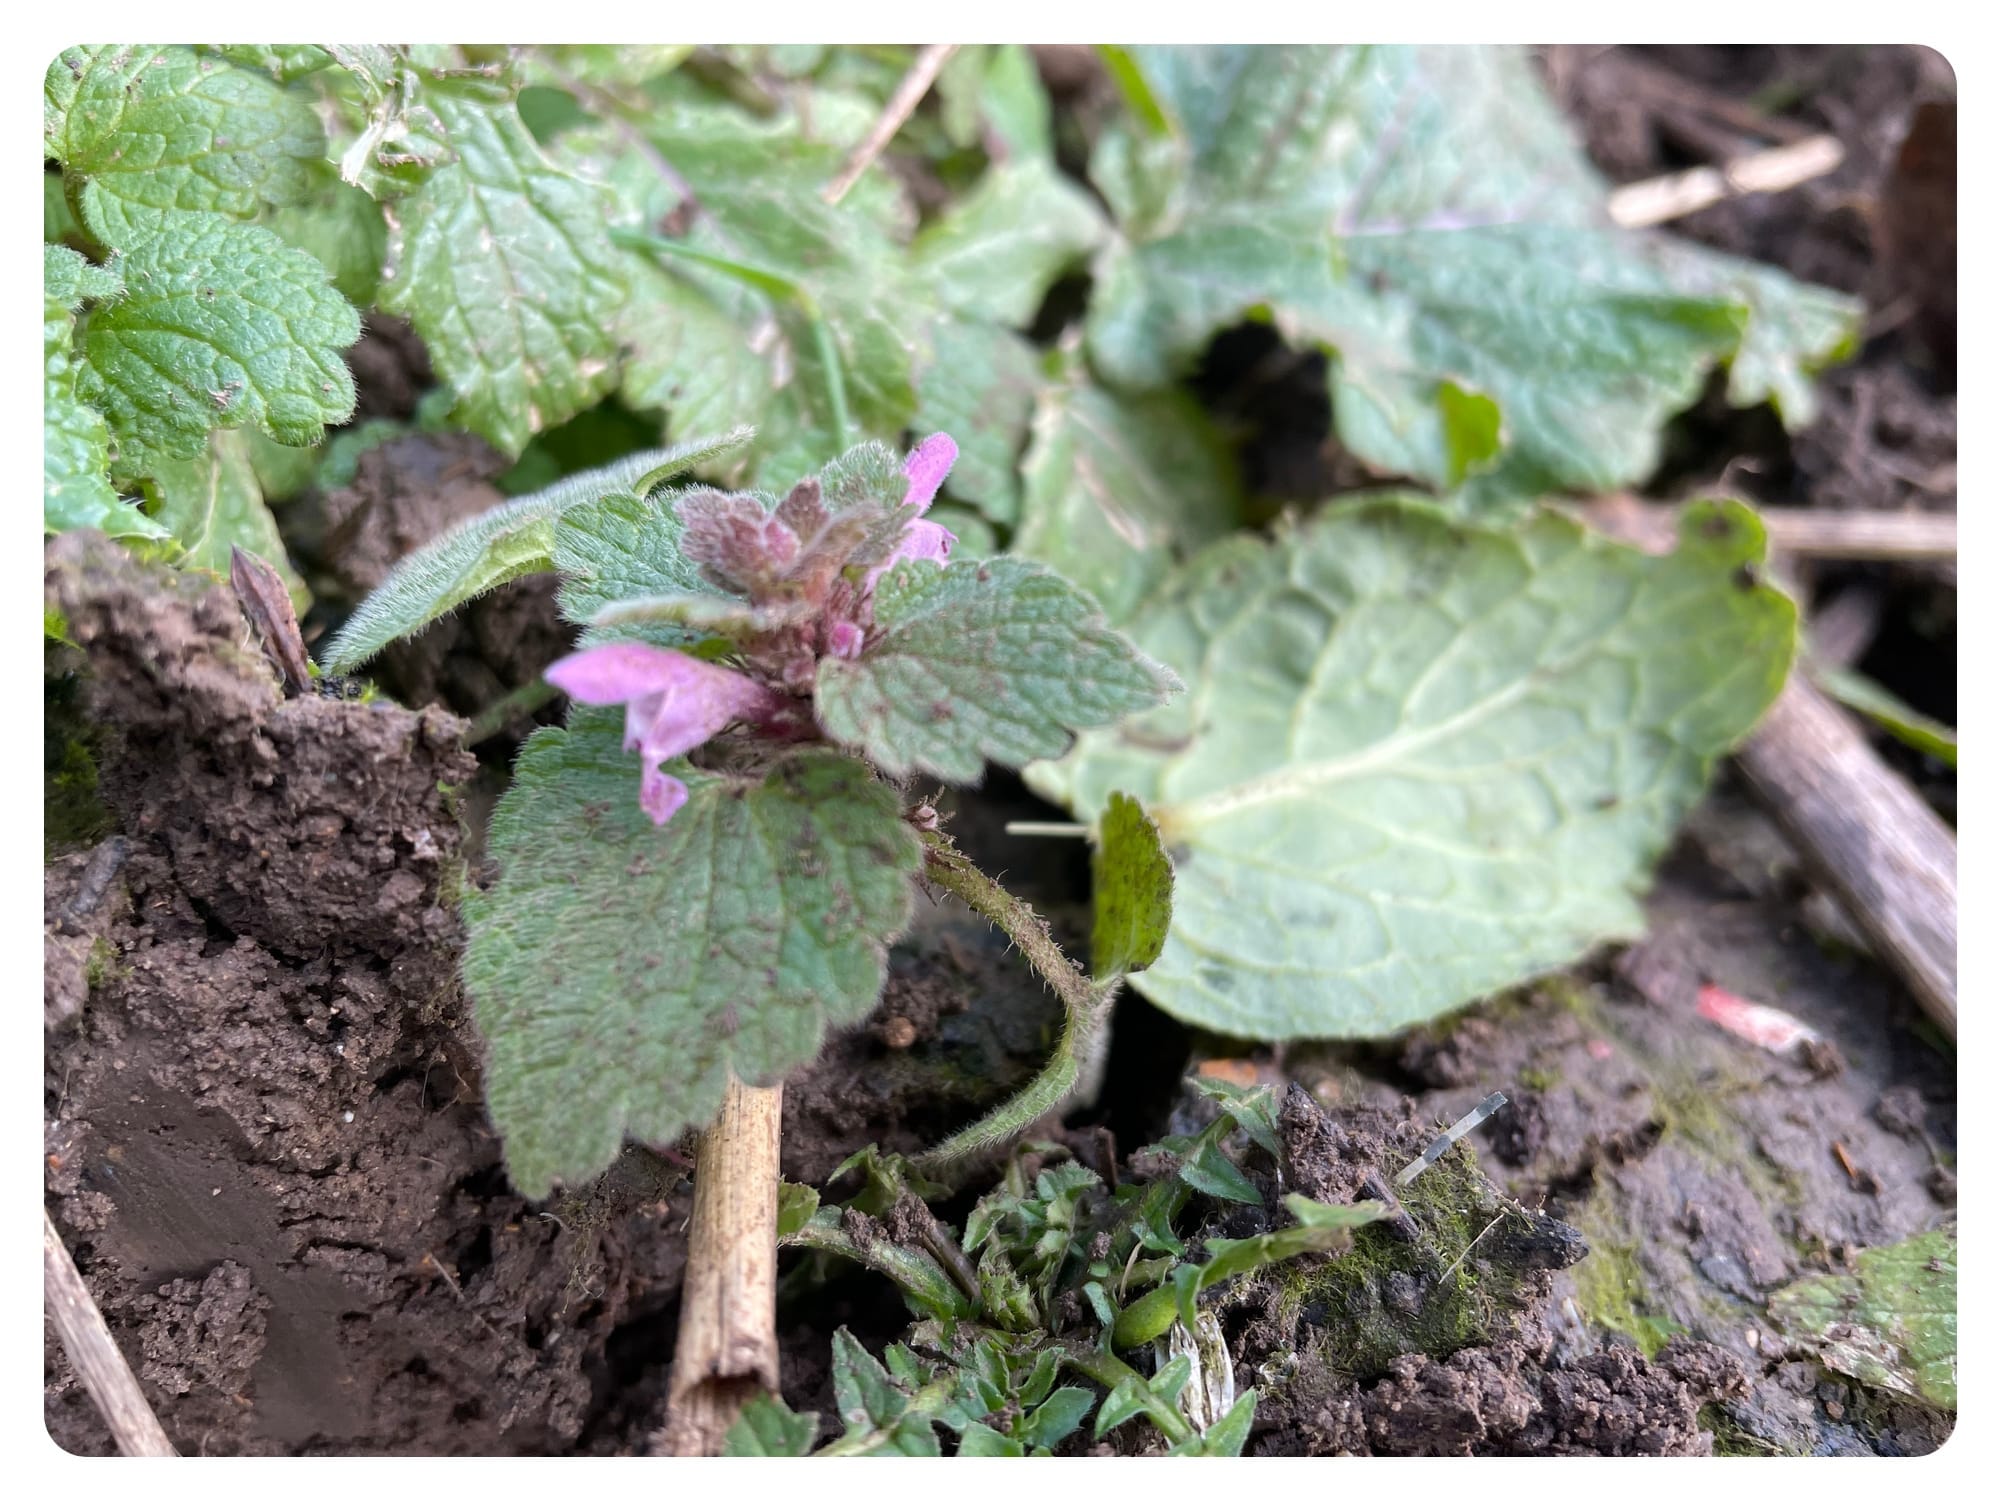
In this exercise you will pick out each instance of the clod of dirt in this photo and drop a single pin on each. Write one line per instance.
(1502, 1401)
(1454, 1264)
(1431, 1335)
(392, 369)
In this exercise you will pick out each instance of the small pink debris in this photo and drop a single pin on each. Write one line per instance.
(1598, 1048)
(1760, 1025)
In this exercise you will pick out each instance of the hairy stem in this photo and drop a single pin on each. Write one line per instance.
(501, 712)
(727, 1350)
(1084, 1005)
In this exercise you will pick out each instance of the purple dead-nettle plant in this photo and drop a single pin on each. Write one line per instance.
(795, 675)
(795, 568)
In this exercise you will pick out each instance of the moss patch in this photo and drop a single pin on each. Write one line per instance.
(1397, 1292)
(73, 814)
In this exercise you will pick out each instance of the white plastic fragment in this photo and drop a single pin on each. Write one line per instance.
(1491, 1105)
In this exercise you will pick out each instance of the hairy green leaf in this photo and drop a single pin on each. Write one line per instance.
(995, 660)
(213, 502)
(1422, 760)
(621, 971)
(993, 254)
(767, 1428)
(1422, 214)
(872, 1405)
(1117, 488)
(165, 128)
(76, 445)
(501, 544)
(221, 325)
(1132, 882)
(505, 266)
(1891, 1322)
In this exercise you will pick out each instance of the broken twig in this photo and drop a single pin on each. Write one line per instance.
(1658, 200)
(727, 1351)
(96, 1358)
(1866, 836)
(902, 104)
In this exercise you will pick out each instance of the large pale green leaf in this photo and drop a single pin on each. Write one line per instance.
(164, 128)
(1422, 214)
(621, 971)
(980, 387)
(505, 265)
(1892, 1321)
(76, 445)
(1421, 760)
(994, 660)
(687, 356)
(213, 502)
(993, 254)
(221, 325)
(1119, 487)
(503, 543)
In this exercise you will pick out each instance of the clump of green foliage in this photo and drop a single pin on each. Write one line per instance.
(1056, 1274)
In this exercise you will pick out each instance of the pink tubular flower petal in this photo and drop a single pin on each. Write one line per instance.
(927, 466)
(672, 704)
(926, 541)
(619, 672)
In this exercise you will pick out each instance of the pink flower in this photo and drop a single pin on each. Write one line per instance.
(923, 541)
(672, 704)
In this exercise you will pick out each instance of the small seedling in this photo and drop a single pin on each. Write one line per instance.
(1059, 1276)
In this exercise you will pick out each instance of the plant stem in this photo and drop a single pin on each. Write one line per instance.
(1084, 1005)
(727, 1350)
(1109, 1371)
(501, 712)
(915, 1273)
